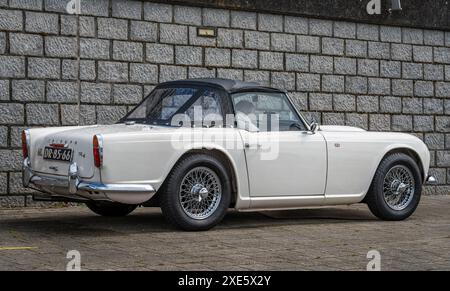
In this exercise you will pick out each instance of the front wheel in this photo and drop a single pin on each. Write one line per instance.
(110, 209)
(197, 193)
(396, 188)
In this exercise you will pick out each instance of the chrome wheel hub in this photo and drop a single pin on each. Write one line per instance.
(398, 187)
(200, 193)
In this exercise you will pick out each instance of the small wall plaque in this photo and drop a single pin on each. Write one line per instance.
(206, 32)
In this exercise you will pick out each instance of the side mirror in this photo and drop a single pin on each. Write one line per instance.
(314, 127)
(296, 126)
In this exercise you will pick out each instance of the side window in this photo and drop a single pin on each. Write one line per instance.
(262, 111)
(207, 110)
(162, 103)
(172, 102)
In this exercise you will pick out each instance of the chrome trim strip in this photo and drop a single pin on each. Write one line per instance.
(307, 124)
(430, 180)
(136, 188)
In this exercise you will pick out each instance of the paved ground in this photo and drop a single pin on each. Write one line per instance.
(336, 238)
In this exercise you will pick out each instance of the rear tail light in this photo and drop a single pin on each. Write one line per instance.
(97, 150)
(25, 143)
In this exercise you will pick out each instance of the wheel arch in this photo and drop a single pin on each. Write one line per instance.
(398, 149)
(411, 153)
(218, 153)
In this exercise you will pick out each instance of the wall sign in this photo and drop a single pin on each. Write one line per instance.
(206, 32)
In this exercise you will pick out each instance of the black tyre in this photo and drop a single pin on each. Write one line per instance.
(197, 193)
(110, 209)
(396, 188)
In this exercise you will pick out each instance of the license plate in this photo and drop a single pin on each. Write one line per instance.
(56, 154)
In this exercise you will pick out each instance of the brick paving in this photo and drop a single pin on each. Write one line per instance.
(331, 238)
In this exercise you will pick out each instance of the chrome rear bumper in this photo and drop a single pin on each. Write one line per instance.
(72, 186)
(430, 180)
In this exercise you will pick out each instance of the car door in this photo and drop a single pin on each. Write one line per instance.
(283, 157)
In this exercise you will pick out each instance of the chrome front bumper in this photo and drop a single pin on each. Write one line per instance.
(430, 180)
(72, 185)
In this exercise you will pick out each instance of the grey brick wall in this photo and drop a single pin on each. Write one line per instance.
(373, 76)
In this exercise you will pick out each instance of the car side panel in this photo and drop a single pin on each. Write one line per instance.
(148, 158)
(353, 158)
(229, 142)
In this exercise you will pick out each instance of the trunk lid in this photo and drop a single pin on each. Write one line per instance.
(79, 140)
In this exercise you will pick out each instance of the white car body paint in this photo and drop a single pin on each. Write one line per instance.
(333, 166)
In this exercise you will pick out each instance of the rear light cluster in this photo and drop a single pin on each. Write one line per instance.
(97, 145)
(25, 143)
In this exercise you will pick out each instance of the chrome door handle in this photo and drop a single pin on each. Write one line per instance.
(248, 146)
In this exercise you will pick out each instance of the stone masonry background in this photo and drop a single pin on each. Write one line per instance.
(381, 78)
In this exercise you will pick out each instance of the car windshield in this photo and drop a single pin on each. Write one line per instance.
(162, 104)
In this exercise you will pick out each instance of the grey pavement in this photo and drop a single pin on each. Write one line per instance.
(330, 238)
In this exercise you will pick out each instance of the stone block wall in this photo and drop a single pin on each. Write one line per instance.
(377, 77)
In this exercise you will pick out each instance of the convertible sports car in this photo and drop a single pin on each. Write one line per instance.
(199, 147)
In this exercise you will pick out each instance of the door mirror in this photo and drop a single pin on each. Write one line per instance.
(296, 127)
(314, 127)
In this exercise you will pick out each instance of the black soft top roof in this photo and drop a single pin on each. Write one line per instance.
(231, 86)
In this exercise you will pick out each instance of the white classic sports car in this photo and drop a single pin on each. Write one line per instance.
(199, 147)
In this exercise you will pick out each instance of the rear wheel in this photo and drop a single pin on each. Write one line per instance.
(110, 209)
(396, 188)
(197, 193)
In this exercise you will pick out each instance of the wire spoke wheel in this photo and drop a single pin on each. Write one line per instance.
(200, 193)
(398, 187)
